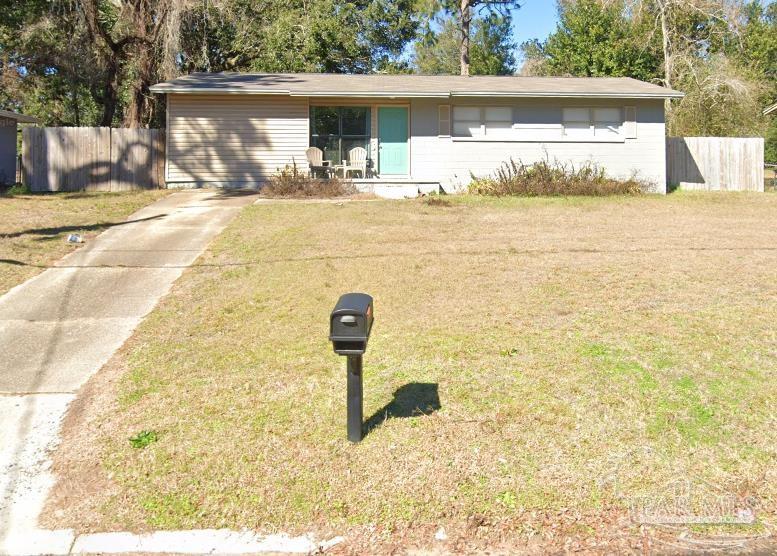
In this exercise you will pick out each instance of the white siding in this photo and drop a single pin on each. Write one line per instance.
(234, 139)
(450, 160)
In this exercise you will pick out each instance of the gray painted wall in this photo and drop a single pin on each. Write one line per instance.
(452, 159)
(8, 154)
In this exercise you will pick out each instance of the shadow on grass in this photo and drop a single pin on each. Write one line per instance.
(411, 400)
(51, 233)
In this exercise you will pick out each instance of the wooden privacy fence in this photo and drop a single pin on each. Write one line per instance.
(715, 163)
(92, 158)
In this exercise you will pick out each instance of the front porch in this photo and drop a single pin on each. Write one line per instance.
(396, 188)
(360, 137)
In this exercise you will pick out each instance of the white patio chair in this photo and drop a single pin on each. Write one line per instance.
(315, 158)
(357, 162)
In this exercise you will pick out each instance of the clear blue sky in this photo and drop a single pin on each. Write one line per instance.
(538, 18)
(535, 20)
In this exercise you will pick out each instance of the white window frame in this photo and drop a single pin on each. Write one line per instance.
(483, 122)
(592, 121)
(546, 132)
(444, 120)
(457, 120)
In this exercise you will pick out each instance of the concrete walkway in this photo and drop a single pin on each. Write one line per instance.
(58, 328)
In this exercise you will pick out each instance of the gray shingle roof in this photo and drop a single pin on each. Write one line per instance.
(438, 86)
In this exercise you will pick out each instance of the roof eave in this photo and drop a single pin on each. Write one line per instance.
(570, 95)
(20, 118)
(399, 94)
(375, 94)
(211, 90)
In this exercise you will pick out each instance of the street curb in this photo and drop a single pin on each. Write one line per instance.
(197, 541)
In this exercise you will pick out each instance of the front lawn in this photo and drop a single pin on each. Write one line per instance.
(567, 357)
(33, 228)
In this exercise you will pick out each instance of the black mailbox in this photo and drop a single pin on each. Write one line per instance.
(349, 329)
(350, 324)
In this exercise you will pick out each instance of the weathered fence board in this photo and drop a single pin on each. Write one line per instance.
(715, 163)
(92, 158)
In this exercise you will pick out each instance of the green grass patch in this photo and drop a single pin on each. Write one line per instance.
(554, 347)
(33, 227)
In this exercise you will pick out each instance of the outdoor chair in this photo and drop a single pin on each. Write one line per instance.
(357, 162)
(316, 162)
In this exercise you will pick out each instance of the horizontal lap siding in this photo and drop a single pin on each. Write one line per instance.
(452, 162)
(234, 139)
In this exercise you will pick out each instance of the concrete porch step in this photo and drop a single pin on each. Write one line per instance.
(397, 188)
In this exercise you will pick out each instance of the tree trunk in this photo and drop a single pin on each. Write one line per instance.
(138, 110)
(76, 102)
(466, 19)
(662, 6)
(110, 96)
(666, 43)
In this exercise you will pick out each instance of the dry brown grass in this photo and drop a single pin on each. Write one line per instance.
(585, 351)
(33, 228)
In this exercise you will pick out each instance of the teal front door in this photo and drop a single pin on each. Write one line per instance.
(393, 151)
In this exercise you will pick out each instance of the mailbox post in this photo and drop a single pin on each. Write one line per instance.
(350, 325)
(355, 396)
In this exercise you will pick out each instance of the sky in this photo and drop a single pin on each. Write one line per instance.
(535, 20)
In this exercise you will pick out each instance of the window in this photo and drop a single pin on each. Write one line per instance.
(466, 121)
(585, 123)
(338, 129)
(607, 122)
(534, 122)
(577, 122)
(475, 121)
(498, 119)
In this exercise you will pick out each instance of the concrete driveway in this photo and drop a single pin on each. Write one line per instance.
(58, 328)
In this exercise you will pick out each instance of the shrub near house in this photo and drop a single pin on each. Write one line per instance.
(291, 182)
(554, 178)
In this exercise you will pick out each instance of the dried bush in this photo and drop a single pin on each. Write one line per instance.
(545, 178)
(289, 182)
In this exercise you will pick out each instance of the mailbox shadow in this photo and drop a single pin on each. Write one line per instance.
(410, 400)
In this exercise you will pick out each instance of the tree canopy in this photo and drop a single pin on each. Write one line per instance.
(721, 53)
(596, 39)
(89, 62)
(492, 50)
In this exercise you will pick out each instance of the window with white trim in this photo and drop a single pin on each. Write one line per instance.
(585, 123)
(607, 122)
(467, 121)
(577, 122)
(498, 120)
(479, 121)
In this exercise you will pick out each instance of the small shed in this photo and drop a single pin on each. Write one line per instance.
(8, 124)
